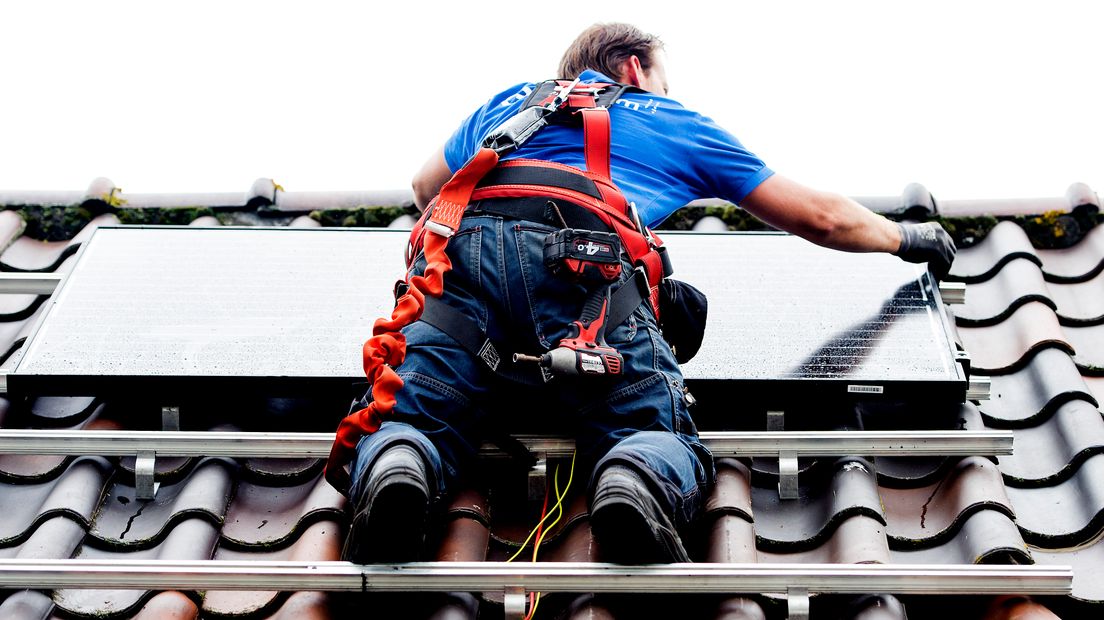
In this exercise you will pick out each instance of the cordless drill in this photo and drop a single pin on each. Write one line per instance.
(586, 352)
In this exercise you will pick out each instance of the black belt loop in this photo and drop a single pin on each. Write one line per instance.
(536, 209)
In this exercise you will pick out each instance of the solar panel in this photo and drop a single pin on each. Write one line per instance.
(790, 320)
(172, 310)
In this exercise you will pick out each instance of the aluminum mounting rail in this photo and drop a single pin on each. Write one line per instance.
(29, 283)
(317, 445)
(540, 576)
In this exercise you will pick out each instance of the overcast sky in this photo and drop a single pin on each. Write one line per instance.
(970, 98)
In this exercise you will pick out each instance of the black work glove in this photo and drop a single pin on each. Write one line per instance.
(927, 243)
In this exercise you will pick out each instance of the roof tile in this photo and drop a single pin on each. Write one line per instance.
(282, 471)
(1004, 347)
(1078, 263)
(805, 523)
(168, 606)
(994, 300)
(305, 606)
(740, 609)
(26, 605)
(27, 254)
(1067, 513)
(268, 516)
(1088, 342)
(986, 536)
(1088, 568)
(1081, 303)
(1033, 393)
(190, 539)
(54, 539)
(75, 493)
(465, 537)
(858, 539)
(320, 542)
(1004, 243)
(1017, 608)
(1051, 453)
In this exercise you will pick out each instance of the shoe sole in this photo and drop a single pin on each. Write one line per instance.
(627, 532)
(394, 533)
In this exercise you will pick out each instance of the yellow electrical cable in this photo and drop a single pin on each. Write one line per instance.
(557, 507)
(559, 501)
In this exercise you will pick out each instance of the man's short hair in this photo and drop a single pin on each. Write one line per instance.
(606, 47)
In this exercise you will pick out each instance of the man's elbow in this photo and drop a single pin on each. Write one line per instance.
(824, 222)
(422, 193)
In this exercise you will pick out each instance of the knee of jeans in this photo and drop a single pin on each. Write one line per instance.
(372, 446)
(664, 455)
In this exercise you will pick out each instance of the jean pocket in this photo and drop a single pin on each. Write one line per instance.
(553, 302)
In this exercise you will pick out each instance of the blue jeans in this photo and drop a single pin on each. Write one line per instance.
(449, 397)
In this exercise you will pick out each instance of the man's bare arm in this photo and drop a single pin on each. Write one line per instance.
(824, 218)
(434, 173)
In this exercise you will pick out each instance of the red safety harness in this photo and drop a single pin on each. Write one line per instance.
(484, 177)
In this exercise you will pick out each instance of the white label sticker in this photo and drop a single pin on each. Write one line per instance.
(865, 389)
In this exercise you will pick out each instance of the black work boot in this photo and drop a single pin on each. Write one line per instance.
(630, 525)
(390, 516)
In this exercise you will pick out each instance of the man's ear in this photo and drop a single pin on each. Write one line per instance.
(632, 72)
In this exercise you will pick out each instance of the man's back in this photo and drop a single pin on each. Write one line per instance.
(661, 154)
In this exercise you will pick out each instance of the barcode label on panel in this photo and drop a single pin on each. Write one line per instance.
(865, 389)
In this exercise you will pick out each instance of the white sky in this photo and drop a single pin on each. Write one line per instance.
(971, 98)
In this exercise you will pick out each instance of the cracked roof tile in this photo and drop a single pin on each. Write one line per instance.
(124, 521)
(928, 516)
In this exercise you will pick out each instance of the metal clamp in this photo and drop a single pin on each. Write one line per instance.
(514, 603)
(978, 388)
(776, 420)
(538, 478)
(953, 292)
(787, 474)
(797, 603)
(145, 466)
(170, 418)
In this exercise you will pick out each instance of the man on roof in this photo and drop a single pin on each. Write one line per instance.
(525, 316)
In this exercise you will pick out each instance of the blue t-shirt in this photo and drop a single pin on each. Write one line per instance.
(662, 155)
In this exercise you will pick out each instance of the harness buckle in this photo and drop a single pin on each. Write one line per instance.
(440, 229)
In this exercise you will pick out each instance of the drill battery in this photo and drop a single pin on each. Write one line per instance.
(583, 255)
